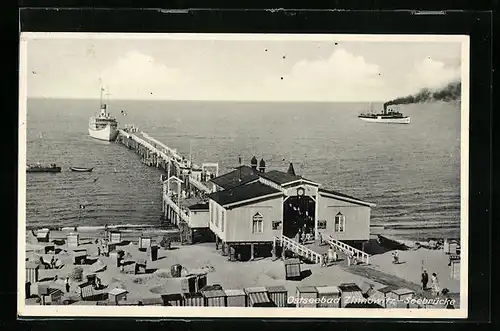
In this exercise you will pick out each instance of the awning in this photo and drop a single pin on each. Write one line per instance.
(258, 298)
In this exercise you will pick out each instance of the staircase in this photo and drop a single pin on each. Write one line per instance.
(349, 250)
(300, 250)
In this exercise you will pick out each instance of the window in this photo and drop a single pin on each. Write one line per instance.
(222, 220)
(339, 223)
(322, 225)
(276, 225)
(258, 223)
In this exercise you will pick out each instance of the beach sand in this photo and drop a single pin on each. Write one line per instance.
(199, 258)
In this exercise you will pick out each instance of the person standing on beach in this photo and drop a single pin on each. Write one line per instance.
(66, 283)
(425, 280)
(435, 284)
(52, 263)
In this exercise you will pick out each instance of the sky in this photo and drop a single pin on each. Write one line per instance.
(327, 69)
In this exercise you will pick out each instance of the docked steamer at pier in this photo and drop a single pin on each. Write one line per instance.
(103, 126)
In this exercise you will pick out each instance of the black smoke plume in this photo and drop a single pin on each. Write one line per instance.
(450, 92)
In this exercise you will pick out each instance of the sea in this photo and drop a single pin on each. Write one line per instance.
(411, 172)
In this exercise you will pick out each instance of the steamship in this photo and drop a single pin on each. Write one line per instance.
(103, 126)
(388, 115)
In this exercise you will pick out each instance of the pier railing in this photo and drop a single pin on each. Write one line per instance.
(146, 144)
(183, 216)
(301, 250)
(199, 185)
(343, 247)
(173, 153)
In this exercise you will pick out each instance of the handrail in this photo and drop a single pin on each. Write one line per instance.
(170, 150)
(365, 257)
(300, 249)
(199, 185)
(182, 214)
(148, 145)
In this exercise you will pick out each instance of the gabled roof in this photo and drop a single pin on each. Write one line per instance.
(242, 193)
(345, 196)
(241, 175)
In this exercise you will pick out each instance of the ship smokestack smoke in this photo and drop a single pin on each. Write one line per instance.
(451, 92)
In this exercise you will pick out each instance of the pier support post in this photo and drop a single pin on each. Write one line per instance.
(274, 248)
(252, 255)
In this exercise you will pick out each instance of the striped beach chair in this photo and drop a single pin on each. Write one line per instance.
(86, 290)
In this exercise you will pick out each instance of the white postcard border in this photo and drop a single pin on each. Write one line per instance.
(26, 311)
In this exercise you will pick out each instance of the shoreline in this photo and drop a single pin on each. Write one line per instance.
(165, 228)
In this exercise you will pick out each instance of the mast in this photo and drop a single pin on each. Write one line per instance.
(100, 99)
(101, 90)
(190, 154)
(107, 97)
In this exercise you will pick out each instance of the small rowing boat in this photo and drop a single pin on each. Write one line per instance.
(80, 169)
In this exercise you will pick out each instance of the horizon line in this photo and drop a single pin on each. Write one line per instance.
(209, 100)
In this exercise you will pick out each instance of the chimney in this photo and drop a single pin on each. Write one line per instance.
(262, 165)
(291, 170)
(253, 163)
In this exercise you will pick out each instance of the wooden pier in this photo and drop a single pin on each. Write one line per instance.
(186, 185)
(188, 179)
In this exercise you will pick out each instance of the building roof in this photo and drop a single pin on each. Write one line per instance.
(342, 195)
(242, 193)
(241, 175)
(280, 177)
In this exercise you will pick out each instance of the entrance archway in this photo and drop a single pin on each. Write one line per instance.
(298, 215)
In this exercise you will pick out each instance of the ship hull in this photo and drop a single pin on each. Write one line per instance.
(55, 169)
(107, 134)
(76, 169)
(403, 120)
